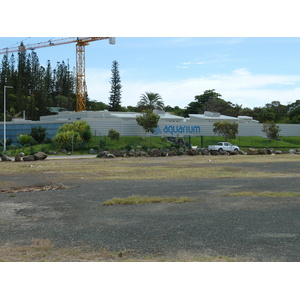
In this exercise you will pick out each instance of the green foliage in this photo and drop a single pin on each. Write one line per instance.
(115, 93)
(73, 134)
(226, 129)
(113, 135)
(25, 140)
(150, 101)
(35, 87)
(148, 121)
(271, 130)
(67, 139)
(38, 133)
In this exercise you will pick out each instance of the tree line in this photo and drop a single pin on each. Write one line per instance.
(36, 89)
(41, 90)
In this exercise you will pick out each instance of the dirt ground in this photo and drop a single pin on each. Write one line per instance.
(216, 227)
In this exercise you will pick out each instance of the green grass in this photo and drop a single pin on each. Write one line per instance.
(136, 199)
(285, 143)
(264, 194)
(136, 142)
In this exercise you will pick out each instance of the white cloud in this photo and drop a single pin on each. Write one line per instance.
(239, 87)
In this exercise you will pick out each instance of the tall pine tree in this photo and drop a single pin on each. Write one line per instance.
(115, 92)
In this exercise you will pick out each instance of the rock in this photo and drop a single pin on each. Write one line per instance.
(262, 151)
(5, 158)
(252, 151)
(40, 156)
(154, 152)
(233, 152)
(102, 154)
(204, 151)
(214, 152)
(278, 152)
(120, 153)
(109, 155)
(192, 152)
(141, 153)
(19, 157)
(29, 158)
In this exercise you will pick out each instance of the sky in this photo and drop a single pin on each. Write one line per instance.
(247, 51)
(249, 71)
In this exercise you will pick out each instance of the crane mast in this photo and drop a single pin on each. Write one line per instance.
(81, 90)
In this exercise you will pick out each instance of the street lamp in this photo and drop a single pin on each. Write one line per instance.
(4, 123)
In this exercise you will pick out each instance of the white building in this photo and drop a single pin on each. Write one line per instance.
(169, 125)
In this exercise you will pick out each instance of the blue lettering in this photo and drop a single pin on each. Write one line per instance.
(181, 129)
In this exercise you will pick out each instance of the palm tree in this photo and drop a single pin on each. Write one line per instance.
(150, 101)
(12, 114)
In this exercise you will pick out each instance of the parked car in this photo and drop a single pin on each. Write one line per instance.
(223, 146)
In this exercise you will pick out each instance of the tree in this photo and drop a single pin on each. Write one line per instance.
(197, 106)
(150, 101)
(271, 130)
(115, 92)
(148, 120)
(38, 133)
(226, 129)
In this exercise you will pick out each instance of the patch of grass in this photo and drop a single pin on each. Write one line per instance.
(264, 194)
(136, 199)
(149, 168)
(43, 250)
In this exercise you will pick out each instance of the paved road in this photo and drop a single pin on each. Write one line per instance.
(262, 229)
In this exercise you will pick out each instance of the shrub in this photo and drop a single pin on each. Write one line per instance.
(25, 140)
(113, 135)
(38, 133)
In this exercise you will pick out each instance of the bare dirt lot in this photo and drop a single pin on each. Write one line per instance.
(245, 209)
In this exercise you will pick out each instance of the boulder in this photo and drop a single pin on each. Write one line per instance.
(5, 158)
(29, 158)
(120, 153)
(141, 153)
(192, 152)
(252, 151)
(233, 152)
(19, 157)
(262, 151)
(40, 156)
(154, 152)
(102, 154)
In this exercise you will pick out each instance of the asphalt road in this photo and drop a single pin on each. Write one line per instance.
(257, 228)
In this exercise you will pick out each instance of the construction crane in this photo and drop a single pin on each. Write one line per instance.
(80, 60)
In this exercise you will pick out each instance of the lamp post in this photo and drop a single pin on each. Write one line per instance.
(4, 123)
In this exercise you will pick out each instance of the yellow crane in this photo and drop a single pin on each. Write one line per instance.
(80, 60)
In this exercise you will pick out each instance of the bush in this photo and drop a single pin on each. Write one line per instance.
(113, 135)
(38, 133)
(25, 140)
